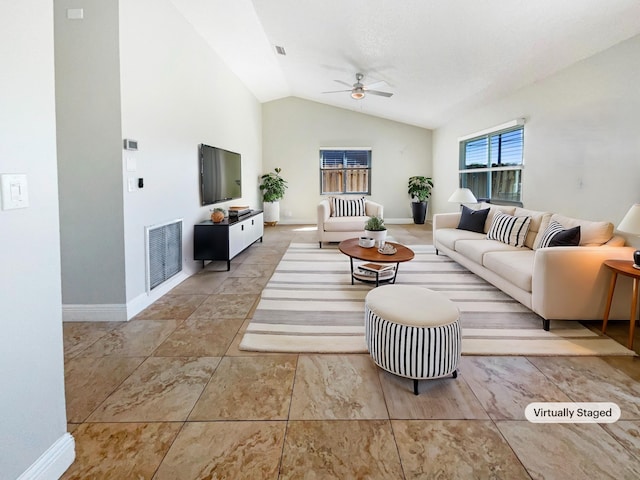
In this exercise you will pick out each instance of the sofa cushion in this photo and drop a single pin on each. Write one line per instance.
(475, 250)
(516, 267)
(341, 207)
(345, 224)
(473, 220)
(591, 233)
(556, 235)
(493, 209)
(509, 229)
(539, 221)
(450, 236)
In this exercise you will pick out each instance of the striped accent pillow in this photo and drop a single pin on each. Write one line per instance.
(557, 236)
(509, 229)
(347, 208)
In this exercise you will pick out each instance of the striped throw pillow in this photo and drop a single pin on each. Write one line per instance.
(509, 229)
(557, 236)
(347, 208)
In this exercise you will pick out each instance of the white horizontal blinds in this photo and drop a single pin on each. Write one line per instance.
(491, 163)
(332, 158)
(506, 148)
(345, 171)
(497, 150)
(476, 153)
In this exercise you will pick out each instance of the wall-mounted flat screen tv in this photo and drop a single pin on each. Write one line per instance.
(220, 175)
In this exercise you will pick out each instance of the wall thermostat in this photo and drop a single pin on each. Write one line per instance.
(130, 144)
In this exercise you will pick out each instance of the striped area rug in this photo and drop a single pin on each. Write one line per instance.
(309, 305)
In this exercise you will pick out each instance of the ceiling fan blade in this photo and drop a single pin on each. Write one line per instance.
(379, 84)
(338, 91)
(343, 83)
(377, 92)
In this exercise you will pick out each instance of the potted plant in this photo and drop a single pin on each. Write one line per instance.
(419, 190)
(374, 228)
(218, 214)
(272, 187)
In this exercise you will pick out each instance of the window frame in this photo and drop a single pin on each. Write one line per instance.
(345, 169)
(465, 172)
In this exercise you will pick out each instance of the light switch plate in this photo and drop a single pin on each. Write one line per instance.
(15, 193)
(132, 165)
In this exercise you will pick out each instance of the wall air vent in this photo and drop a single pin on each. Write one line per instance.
(164, 252)
(280, 50)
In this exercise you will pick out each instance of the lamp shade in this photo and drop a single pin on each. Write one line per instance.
(631, 221)
(462, 195)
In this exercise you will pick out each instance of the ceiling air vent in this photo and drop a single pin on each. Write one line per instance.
(280, 50)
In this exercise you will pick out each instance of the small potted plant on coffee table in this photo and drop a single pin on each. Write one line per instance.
(374, 228)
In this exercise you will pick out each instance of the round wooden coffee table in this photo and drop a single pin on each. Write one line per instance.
(351, 248)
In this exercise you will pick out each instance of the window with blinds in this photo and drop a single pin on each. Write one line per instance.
(345, 171)
(491, 165)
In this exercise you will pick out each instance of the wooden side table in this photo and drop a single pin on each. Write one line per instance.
(623, 267)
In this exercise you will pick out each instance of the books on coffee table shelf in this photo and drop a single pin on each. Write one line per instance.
(376, 267)
(368, 271)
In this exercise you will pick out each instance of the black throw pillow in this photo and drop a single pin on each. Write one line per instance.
(473, 220)
(566, 238)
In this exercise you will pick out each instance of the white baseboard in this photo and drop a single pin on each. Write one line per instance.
(54, 462)
(143, 300)
(119, 312)
(94, 313)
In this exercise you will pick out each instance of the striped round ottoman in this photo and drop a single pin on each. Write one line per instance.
(412, 332)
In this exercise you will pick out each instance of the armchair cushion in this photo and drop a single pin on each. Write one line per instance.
(341, 207)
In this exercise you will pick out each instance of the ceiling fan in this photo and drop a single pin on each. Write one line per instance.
(358, 90)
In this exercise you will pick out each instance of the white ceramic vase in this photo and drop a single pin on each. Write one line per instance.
(271, 212)
(378, 235)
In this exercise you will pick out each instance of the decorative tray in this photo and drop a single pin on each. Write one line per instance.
(387, 250)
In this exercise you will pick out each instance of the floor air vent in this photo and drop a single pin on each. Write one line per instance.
(164, 252)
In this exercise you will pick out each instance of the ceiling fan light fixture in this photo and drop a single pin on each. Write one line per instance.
(357, 93)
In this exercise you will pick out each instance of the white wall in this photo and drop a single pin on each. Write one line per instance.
(581, 141)
(33, 419)
(89, 152)
(138, 70)
(295, 129)
(176, 94)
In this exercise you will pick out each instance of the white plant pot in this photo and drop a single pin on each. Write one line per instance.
(379, 236)
(271, 212)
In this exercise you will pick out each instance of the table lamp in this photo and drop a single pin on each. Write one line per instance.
(462, 195)
(631, 224)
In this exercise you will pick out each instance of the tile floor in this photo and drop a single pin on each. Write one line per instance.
(169, 395)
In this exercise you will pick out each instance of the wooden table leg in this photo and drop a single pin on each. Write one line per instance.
(607, 310)
(634, 303)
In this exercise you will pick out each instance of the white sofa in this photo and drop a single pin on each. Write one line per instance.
(332, 228)
(557, 283)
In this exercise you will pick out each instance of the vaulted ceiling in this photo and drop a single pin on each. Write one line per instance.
(438, 57)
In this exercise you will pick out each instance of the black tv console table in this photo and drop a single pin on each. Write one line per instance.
(225, 240)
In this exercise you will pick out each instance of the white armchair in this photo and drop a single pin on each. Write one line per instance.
(336, 229)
